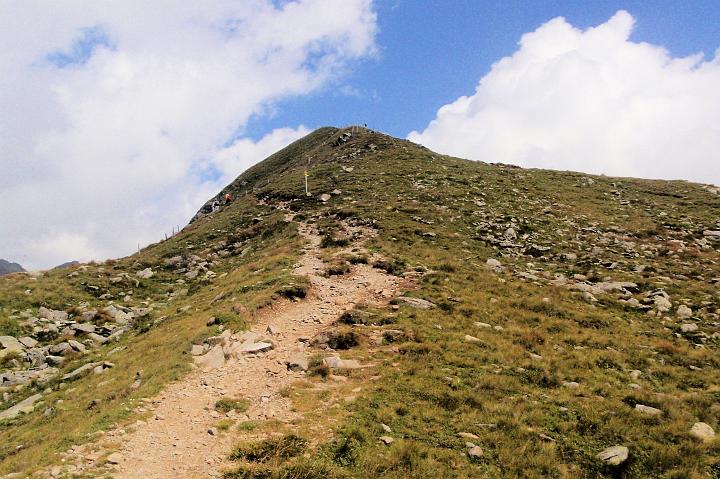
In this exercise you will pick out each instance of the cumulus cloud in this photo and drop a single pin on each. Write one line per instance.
(593, 101)
(118, 119)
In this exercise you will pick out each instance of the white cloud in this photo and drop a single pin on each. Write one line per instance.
(592, 101)
(110, 110)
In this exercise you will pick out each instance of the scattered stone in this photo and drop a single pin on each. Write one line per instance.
(494, 265)
(614, 455)
(385, 427)
(213, 431)
(215, 358)
(25, 406)
(416, 302)
(10, 343)
(334, 362)
(325, 197)
(387, 440)
(648, 410)
(211, 322)
(468, 435)
(255, 347)
(684, 312)
(80, 372)
(114, 458)
(471, 339)
(146, 273)
(28, 342)
(688, 327)
(571, 384)
(197, 350)
(475, 452)
(702, 431)
(52, 314)
(271, 329)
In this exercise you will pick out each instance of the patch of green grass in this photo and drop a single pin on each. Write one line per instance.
(280, 448)
(231, 320)
(228, 404)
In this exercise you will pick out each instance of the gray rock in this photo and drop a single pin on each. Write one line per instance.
(52, 314)
(702, 431)
(475, 452)
(214, 359)
(114, 458)
(54, 360)
(325, 197)
(146, 273)
(60, 348)
(197, 349)
(77, 346)
(662, 304)
(688, 327)
(387, 440)
(416, 302)
(80, 372)
(334, 362)
(28, 342)
(648, 410)
(25, 406)
(11, 343)
(494, 265)
(97, 338)
(684, 312)
(84, 328)
(118, 314)
(614, 455)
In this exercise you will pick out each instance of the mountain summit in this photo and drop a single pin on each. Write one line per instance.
(410, 314)
(6, 267)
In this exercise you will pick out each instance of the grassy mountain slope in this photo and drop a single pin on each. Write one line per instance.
(561, 302)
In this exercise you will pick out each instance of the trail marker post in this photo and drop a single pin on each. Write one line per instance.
(307, 192)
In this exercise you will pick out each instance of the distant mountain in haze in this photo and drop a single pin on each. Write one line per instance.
(6, 267)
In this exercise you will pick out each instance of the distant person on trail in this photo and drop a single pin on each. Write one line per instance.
(228, 198)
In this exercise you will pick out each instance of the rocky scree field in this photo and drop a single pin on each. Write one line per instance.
(554, 324)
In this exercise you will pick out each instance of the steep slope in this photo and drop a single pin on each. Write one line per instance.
(542, 317)
(6, 267)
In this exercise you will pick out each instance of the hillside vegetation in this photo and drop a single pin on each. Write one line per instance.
(556, 314)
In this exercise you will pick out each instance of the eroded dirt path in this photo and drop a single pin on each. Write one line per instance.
(175, 442)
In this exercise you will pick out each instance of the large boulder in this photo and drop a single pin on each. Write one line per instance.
(10, 343)
(25, 406)
(214, 359)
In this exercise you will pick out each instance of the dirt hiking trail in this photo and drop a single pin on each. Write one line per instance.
(175, 441)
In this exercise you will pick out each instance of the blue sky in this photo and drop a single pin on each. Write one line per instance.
(119, 119)
(430, 53)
